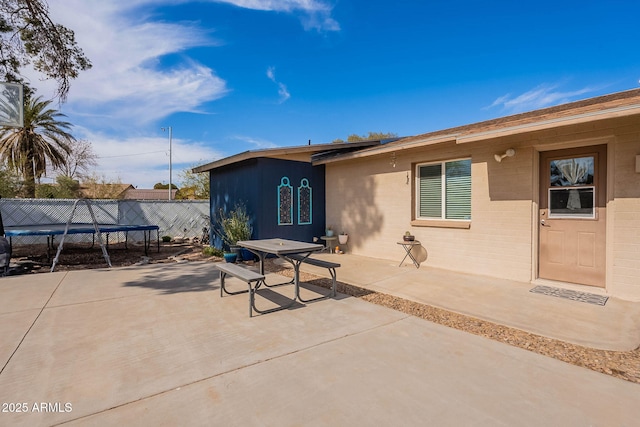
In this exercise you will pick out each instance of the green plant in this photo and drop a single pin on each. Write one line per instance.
(211, 251)
(166, 238)
(235, 225)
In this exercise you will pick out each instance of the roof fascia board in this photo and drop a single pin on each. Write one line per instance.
(223, 162)
(389, 148)
(273, 152)
(547, 124)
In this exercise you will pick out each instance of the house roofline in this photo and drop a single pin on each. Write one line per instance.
(284, 151)
(596, 109)
(389, 149)
(629, 110)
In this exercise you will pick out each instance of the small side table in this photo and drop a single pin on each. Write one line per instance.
(408, 247)
(329, 242)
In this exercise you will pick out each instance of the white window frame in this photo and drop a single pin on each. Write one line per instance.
(591, 215)
(443, 191)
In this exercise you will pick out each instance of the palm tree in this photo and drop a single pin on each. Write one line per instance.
(42, 138)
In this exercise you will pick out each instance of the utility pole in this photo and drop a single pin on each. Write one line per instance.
(170, 163)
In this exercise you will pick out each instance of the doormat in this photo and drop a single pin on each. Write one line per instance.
(572, 295)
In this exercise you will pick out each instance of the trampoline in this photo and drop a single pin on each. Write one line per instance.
(70, 227)
(51, 230)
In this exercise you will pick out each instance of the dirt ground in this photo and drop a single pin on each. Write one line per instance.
(76, 256)
(624, 365)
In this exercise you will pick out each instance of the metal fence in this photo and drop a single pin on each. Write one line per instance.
(184, 218)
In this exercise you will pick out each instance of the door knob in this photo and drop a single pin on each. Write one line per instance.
(542, 223)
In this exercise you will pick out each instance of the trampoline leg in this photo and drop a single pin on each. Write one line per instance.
(49, 247)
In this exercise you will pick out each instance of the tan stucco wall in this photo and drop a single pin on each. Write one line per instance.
(372, 201)
(624, 210)
(377, 211)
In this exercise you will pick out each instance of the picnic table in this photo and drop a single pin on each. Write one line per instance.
(292, 251)
(281, 248)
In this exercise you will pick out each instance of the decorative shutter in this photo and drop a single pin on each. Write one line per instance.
(458, 189)
(430, 189)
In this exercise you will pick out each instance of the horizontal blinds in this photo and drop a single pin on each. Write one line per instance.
(430, 189)
(458, 189)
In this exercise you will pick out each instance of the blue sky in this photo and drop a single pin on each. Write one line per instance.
(236, 75)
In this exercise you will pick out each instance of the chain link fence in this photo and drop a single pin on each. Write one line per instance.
(184, 218)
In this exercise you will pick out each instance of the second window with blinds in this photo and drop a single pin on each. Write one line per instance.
(443, 190)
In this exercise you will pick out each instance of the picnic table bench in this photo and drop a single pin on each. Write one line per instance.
(244, 274)
(331, 266)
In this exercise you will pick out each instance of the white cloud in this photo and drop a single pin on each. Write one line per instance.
(544, 95)
(126, 85)
(130, 88)
(258, 143)
(143, 161)
(282, 88)
(316, 15)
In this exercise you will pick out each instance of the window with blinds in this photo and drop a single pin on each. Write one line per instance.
(444, 190)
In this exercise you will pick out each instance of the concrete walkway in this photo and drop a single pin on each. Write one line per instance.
(614, 326)
(155, 345)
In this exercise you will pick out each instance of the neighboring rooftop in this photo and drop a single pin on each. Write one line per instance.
(104, 191)
(148, 194)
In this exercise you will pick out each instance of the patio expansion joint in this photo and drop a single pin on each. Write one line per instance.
(384, 279)
(32, 324)
(99, 300)
(248, 365)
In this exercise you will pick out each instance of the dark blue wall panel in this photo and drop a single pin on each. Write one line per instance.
(255, 183)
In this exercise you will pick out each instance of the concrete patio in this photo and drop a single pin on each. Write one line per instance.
(156, 345)
(614, 326)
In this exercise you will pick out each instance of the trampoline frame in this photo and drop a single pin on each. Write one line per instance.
(51, 230)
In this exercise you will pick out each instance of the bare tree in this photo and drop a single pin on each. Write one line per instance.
(80, 160)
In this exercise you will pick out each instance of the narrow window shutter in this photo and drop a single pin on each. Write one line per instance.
(458, 190)
(430, 189)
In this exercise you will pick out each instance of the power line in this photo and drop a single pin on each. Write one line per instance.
(131, 155)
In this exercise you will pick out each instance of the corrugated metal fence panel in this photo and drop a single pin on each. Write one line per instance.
(175, 218)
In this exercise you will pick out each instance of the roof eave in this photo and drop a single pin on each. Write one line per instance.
(612, 113)
(279, 151)
(389, 148)
(460, 138)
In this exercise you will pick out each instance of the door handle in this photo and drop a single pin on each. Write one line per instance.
(542, 223)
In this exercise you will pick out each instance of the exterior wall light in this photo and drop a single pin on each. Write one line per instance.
(509, 153)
